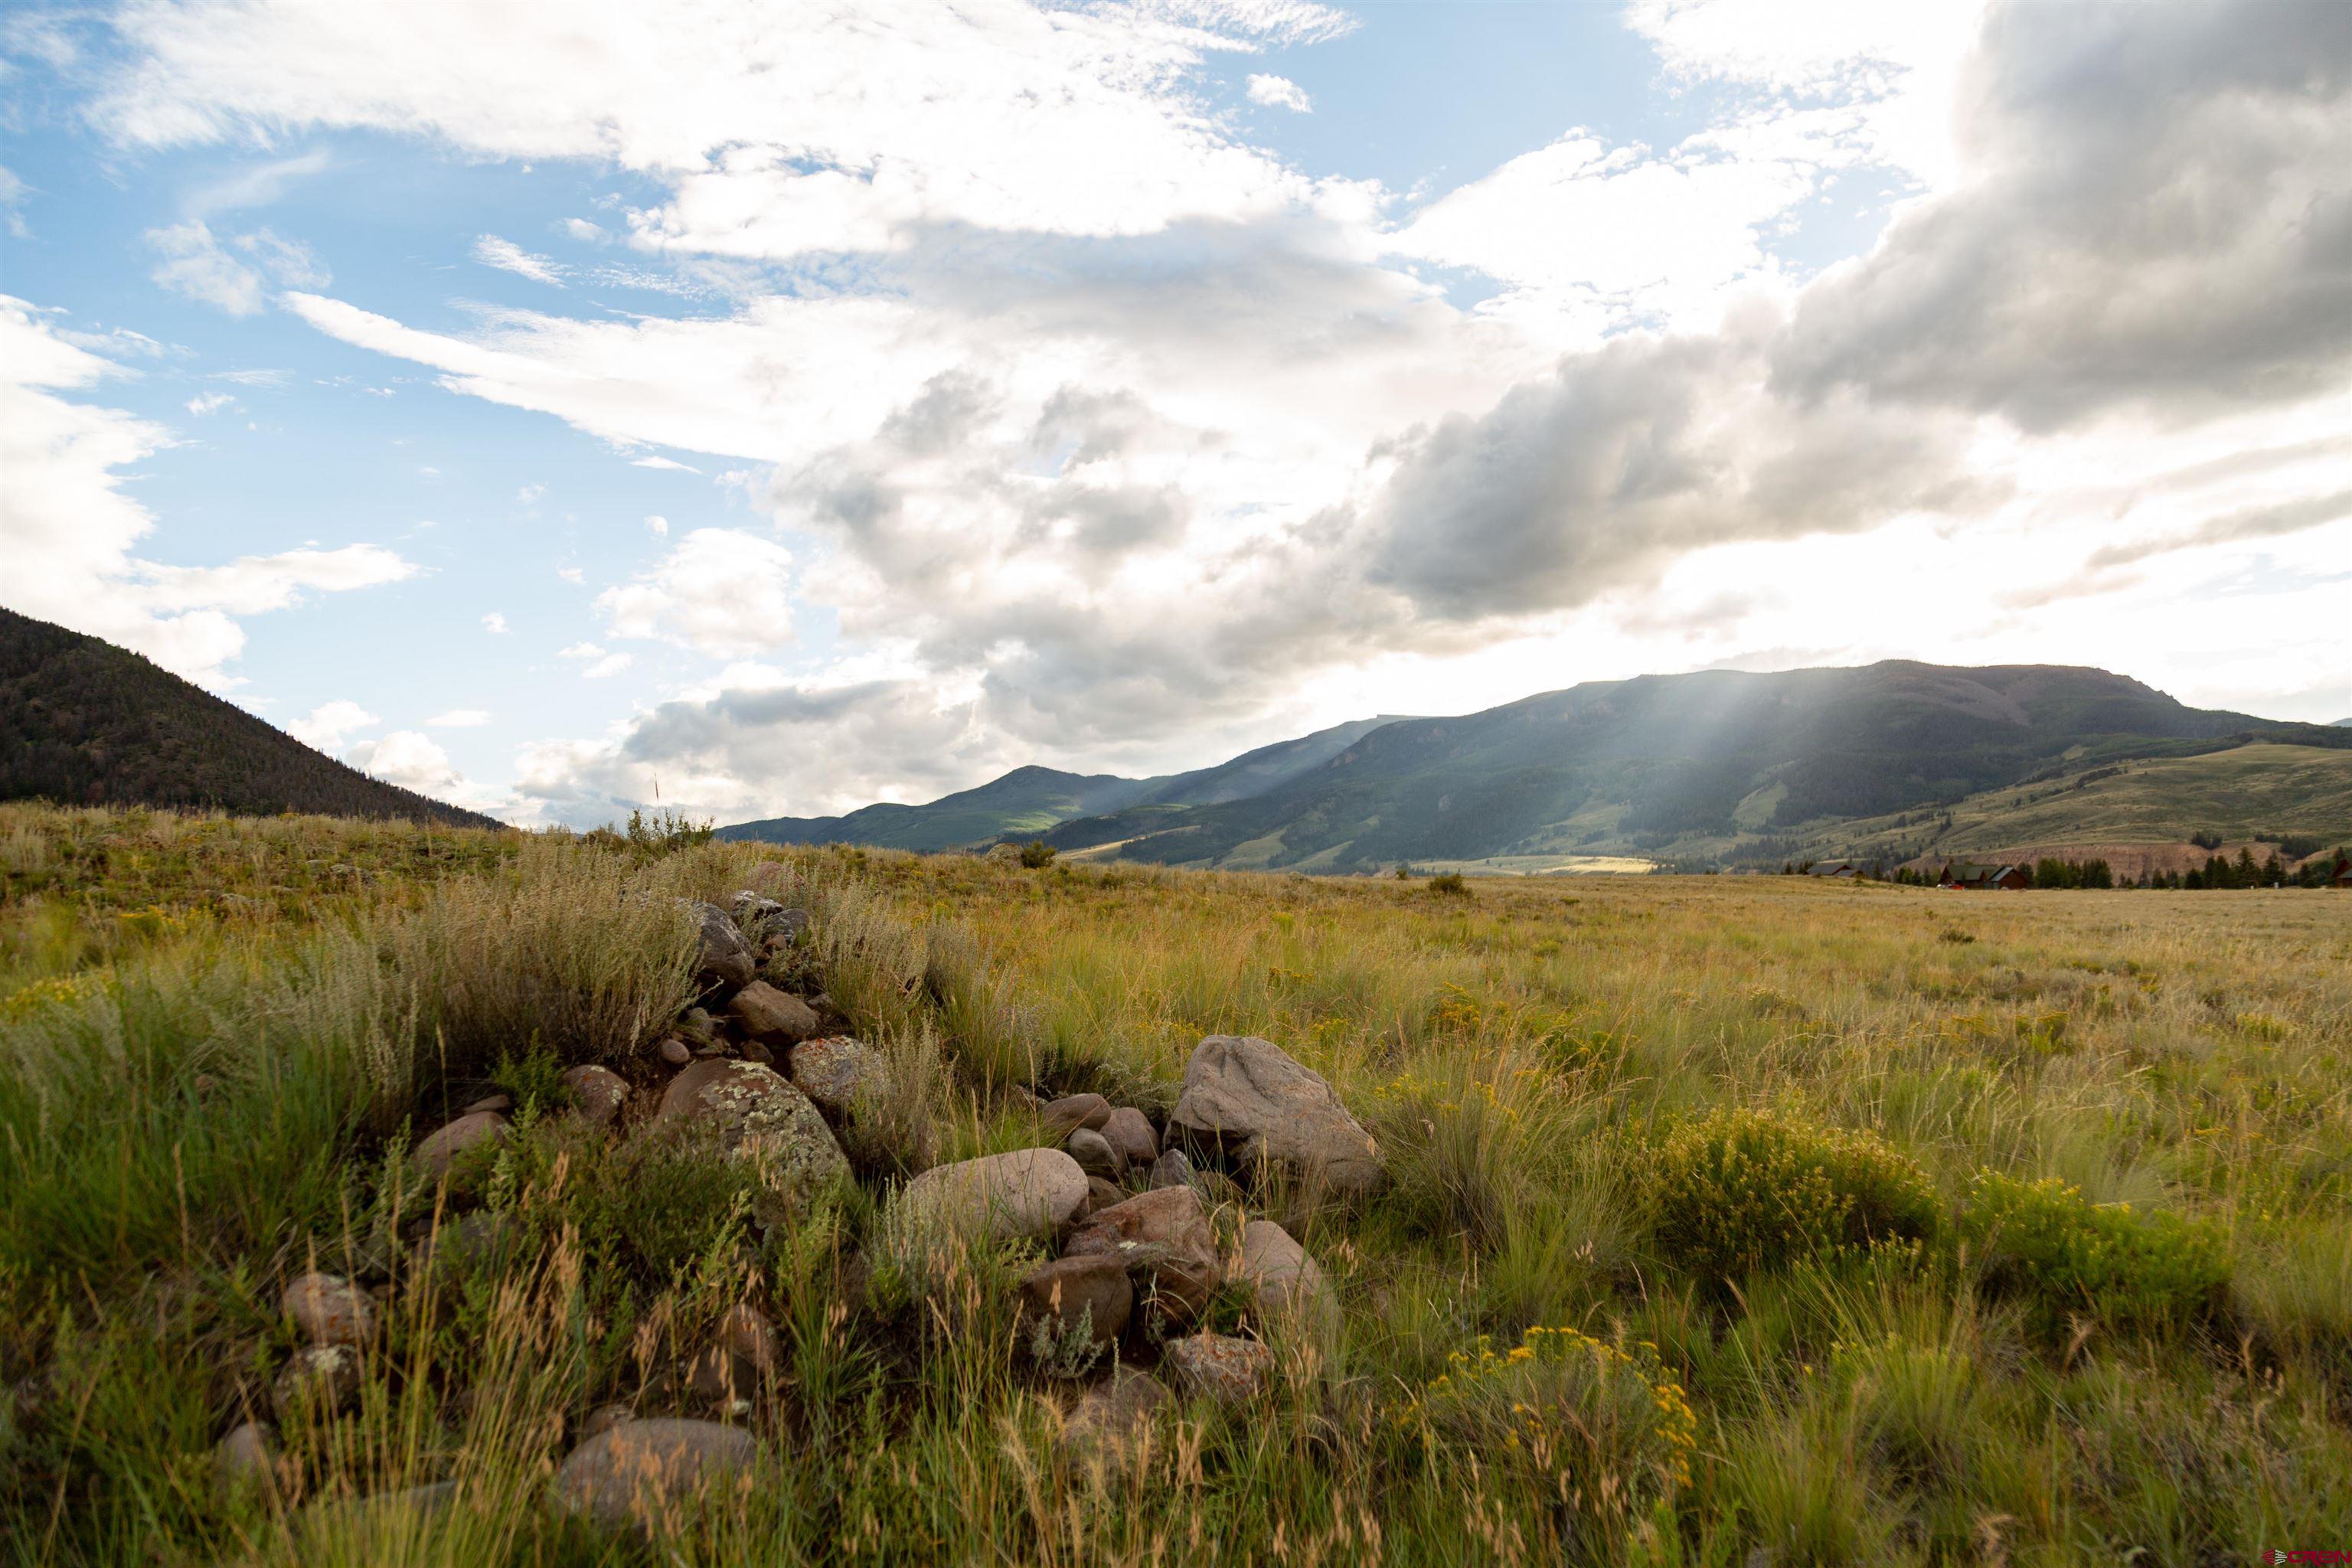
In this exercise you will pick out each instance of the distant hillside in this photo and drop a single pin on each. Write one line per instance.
(1703, 768)
(1028, 801)
(85, 722)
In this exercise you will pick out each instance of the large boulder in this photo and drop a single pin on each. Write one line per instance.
(1163, 1238)
(1248, 1098)
(1284, 1281)
(772, 1017)
(758, 1117)
(1072, 1111)
(1218, 1367)
(644, 1470)
(834, 1072)
(1075, 1293)
(722, 958)
(329, 1310)
(1025, 1192)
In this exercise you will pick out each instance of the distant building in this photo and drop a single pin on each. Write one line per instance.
(1833, 869)
(1970, 877)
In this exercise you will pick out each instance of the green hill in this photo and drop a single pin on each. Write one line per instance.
(1701, 768)
(85, 722)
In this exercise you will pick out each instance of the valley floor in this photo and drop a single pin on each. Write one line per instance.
(1851, 1222)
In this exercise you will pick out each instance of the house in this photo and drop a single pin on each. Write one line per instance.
(1833, 868)
(1963, 876)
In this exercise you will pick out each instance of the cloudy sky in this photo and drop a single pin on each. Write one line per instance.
(785, 407)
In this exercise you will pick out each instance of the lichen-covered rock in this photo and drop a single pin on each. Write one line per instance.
(759, 1118)
(1074, 1293)
(601, 1092)
(1023, 1191)
(317, 1379)
(833, 1071)
(1163, 1238)
(1129, 1133)
(642, 1470)
(329, 1310)
(1219, 1367)
(441, 1149)
(1248, 1098)
(768, 1015)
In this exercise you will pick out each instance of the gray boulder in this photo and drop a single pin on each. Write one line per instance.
(1218, 1367)
(1285, 1282)
(1171, 1170)
(722, 958)
(1023, 1191)
(329, 1310)
(1094, 1154)
(766, 1014)
(1249, 1099)
(834, 1072)
(245, 1460)
(1129, 1130)
(641, 1470)
(321, 1379)
(1114, 1418)
(600, 1090)
(441, 1149)
(1072, 1111)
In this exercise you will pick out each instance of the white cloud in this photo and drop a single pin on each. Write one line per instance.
(206, 402)
(458, 718)
(1279, 92)
(571, 574)
(235, 276)
(719, 590)
(660, 462)
(508, 257)
(528, 495)
(595, 662)
(333, 723)
(495, 624)
(659, 524)
(71, 528)
(258, 186)
(411, 760)
(583, 230)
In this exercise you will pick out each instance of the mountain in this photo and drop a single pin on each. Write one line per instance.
(1701, 768)
(1028, 801)
(84, 722)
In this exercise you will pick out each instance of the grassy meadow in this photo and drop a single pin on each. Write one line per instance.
(1727, 1221)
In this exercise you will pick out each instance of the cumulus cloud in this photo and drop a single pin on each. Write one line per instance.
(595, 663)
(720, 590)
(458, 718)
(411, 760)
(332, 723)
(495, 624)
(1279, 92)
(206, 402)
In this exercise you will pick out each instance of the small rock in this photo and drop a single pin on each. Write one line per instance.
(764, 1013)
(740, 1359)
(1072, 1111)
(1093, 1153)
(1285, 1281)
(491, 1102)
(724, 959)
(1114, 1417)
(1103, 1194)
(833, 1071)
(1071, 1291)
(751, 910)
(1250, 1099)
(245, 1460)
(1164, 1237)
(1219, 1367)
(760, 1118)
(440, 1150)
(324, 1378)
(641, 1468)
(1171, 1170)
(604, 1417)
(1025, 1192)
(1129, 1132)
(329, 1310)
(697, 1024)
(754, 1051)
(677, 1052)
(600, 1090)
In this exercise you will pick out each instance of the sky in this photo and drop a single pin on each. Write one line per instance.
(768, 410)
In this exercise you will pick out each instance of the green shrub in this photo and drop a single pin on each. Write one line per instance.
(1744, 1190)
(1450, 883)
(2042, 1241)
(1036, 854)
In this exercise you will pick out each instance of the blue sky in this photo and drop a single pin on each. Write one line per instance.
(544, 406)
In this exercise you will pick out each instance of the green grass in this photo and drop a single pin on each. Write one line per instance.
(218, 1048)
